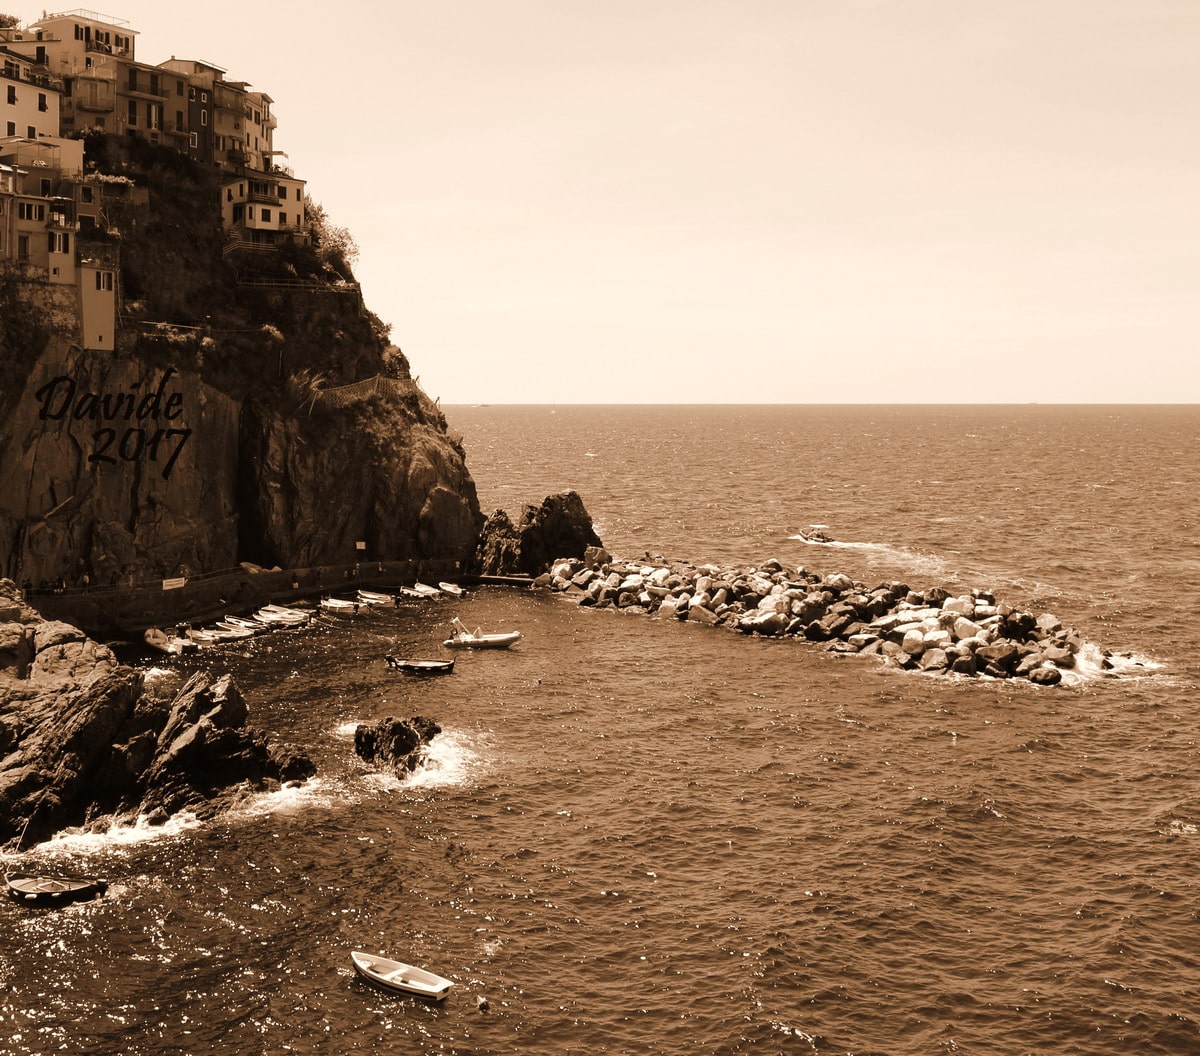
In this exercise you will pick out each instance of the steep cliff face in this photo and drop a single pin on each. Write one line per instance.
(380, 471)
(253, 408)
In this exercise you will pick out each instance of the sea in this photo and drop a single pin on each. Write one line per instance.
(635, 835)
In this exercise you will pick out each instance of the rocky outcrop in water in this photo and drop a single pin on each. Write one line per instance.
(930, 630)
(399, 744)
(83, 738)
(560, 527)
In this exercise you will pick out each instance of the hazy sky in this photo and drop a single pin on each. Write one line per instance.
(785, 201)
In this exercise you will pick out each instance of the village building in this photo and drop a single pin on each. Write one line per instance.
(73, 72)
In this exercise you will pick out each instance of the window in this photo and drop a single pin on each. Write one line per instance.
(46, 188)
(193, 140)
(204, 97)
(31, 211)
(22, 247)
(133, 80)
(192, 94)
(104, 280)
(85, 195)
(12, 93)
(43, 106)
(58, 242)
(266, 214)
(283, 193)
(132, 112)
(204, 117)
(30, 132)
(12, 129)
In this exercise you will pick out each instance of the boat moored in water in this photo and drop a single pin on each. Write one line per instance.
(411, 666)
(38, 889)
(464, 638)
(396, 975)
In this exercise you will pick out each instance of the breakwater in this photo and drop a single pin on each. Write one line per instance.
(929, 630)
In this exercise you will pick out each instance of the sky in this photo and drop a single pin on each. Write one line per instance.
(760, 201)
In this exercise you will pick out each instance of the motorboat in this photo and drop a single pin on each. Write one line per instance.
(396, 975)
(171, 644)
(465, 638)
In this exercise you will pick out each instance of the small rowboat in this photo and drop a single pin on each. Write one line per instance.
(280, 616)
(425, 590)
(453, 589)
(396, 975)
(420, 667)
(375, 599)
(253, 626)
(468, 639)
(38, 890)
(340, 606)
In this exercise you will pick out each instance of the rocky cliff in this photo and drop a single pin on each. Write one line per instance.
(253, 408)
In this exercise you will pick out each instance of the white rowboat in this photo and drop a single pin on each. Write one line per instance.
(396, 975)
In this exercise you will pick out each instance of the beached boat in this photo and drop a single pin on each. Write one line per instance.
(453, 589)
(279, 616)
(375, 599)
(464, 638)
(39, 889)
(419, 667)
(232, 632)
(396, 975)
(253, 626)
(340, 606)
(425, 590)
(171, 644)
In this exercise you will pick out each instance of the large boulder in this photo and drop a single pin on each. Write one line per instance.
(396, 743)
(560, 528)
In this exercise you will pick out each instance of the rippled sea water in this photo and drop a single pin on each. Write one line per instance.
(639, 836)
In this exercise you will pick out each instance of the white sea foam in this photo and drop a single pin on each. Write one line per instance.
(452, 758)
(1091, 662)
(117, 835)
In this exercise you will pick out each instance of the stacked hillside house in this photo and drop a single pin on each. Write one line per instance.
(74, 72)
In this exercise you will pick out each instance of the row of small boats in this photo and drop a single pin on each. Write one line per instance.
(184, 639)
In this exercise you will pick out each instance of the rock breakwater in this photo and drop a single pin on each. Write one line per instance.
(930, 630)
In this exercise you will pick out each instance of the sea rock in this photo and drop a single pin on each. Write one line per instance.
(396, 743)
(560, 527)
(83, 740)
